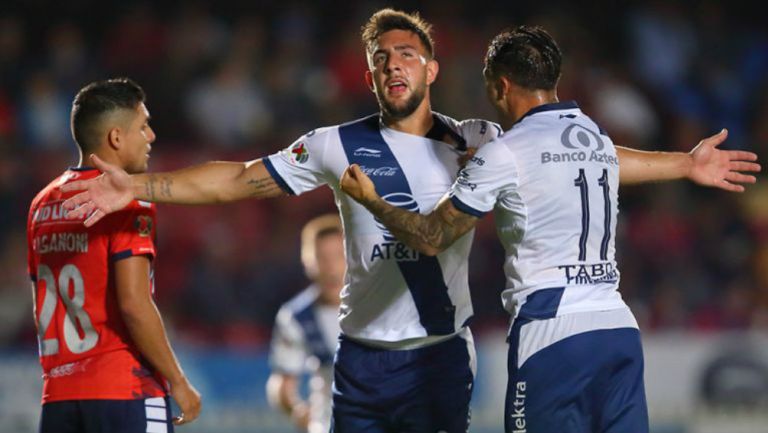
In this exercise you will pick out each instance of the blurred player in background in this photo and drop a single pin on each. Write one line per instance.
(575, 359)
(307, 329)
(405, 361)
(102, 343)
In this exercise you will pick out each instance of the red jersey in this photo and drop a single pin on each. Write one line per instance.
(85, 349)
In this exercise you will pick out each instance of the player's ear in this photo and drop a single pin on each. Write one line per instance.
(114, 139)
(432, 69)
(369, 80)
(503, 86)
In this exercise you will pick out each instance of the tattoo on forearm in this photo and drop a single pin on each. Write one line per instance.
(264, 187)
(149, 187)
(165, 187)
(437, 230)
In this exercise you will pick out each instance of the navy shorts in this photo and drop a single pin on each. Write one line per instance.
(424, 390)
(585, 381)
(151, 415)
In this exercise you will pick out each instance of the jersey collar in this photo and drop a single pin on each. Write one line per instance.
(565, 105)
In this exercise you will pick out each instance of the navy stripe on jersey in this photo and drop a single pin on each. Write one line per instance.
(305, 315)
(467, 209)
(365, 146)
(276, 176)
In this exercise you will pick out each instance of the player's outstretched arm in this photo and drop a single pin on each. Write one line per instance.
(207, 183)
(141, 317)
(706, 165)
(430, 234)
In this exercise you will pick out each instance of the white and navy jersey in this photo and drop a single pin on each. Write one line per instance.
(303, 341)
(552, 180)
(392, 293)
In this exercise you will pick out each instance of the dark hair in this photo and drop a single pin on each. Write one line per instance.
(390, 19)
(527, 55)
(95, 101)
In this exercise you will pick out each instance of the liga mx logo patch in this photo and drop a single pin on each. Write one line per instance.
(143, 225)
(299, 153)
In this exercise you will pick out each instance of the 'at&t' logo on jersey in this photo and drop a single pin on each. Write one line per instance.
(391, 249)
(583, 145)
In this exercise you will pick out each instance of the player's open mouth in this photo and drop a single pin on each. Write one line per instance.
(396, 87)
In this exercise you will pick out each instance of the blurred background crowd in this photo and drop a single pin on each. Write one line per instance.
(238, 81)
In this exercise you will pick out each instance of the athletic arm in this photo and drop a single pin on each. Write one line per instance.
(706, 165)
(429, 234)
(207, 183)
(141, 317)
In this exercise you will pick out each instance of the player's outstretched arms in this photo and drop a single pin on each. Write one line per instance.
(429, 234)
(706, 165)
(208, 183)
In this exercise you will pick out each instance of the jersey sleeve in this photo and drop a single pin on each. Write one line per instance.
(133, 231)
(488, 175)
(477, 132)
(300, 167)
(288, 351)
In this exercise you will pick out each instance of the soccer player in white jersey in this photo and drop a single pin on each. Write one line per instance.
(405, 361)
(575, 359)
(307, 329)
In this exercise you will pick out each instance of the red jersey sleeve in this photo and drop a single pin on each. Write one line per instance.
(133, 232)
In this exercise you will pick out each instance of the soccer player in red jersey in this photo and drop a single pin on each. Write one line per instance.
(107, 363)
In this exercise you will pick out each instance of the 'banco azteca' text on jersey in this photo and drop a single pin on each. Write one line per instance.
(553, 180)
(392, 292)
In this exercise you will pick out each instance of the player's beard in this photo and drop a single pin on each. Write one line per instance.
(401, 112)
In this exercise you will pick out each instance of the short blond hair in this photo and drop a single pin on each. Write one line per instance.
(388, 19)
(315, 229)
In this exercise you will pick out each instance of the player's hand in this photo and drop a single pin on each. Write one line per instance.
(464, 159)
(189, 401)
(721, 168)
(300, 416)
(107, 193)
(358, 185)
